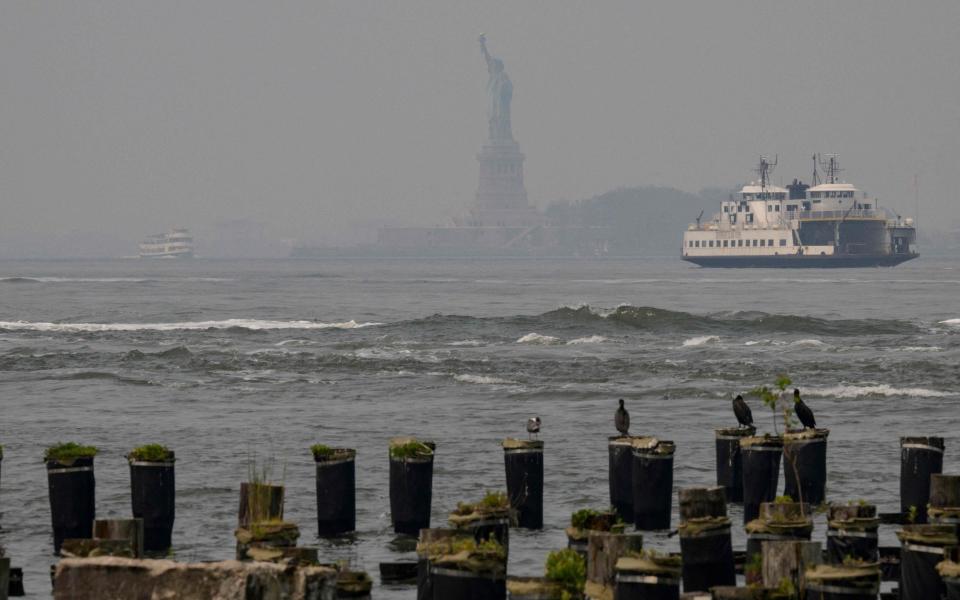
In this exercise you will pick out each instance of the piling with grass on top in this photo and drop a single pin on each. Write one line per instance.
(490, 517)
(72, 490)
(729, 460)
(460, 567)
(854, 580)
(652, 483)
(262, 534)
(949, 570)
(761, 472)
(648, 576)
(336, 490)
(920, 457)
(604, 549)
(781, 521)
(923, 547)
(153, 495)
(705, 541)
(586, 520)
(523, 462)
(411, 484)
(805, 465)
(944, 499)
(852, 532)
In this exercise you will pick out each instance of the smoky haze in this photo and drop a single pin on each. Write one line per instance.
(322, 121)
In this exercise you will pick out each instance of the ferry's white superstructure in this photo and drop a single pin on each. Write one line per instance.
(176, 243)
(832, 224)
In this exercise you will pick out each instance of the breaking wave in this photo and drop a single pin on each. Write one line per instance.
(701, 340)
(536, 338)
(590, 339)
(482, 379)
(249, 324)
(881, 389)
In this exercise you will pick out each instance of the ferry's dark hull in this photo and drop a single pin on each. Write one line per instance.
(802, 261)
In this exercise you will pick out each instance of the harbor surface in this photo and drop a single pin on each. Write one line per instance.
(226, 360)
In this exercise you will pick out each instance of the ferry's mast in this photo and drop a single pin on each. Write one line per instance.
(764, 170)
(832, 166)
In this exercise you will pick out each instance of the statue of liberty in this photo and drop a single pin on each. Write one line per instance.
(500, 91)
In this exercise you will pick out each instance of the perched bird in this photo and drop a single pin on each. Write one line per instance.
(742, 410)
(622, 419)
(803, 411)
(533, 426)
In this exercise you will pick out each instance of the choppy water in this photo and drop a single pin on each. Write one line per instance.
(222, 360)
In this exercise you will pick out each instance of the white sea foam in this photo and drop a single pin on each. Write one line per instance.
(880, 389)
(253, 324)
(466, 343)
(701, 340)
(917, 349)
(590, 339)
(482, 379)
(951, 322)
(808, 342)
(536, 338)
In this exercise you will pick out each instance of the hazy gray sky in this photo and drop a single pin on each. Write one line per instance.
(319, 118)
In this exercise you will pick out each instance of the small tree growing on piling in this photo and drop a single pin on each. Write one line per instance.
(771, 396)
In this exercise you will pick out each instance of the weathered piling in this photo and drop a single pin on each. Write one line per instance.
(353, 584)
(398, 572)
(459, 567)
(587, 520)
(604, 549)
(490, 517)
(336, 490)
(533, 588)
(652, 483)
(852, 581)
(778, 522)
(761, 472)
(260, 502)
(920, 457)
(131, 530)
(15, 583)
(620, 474)
(411, 484)
(922, 548)
(705, 542)
(153, 495)
(523, 461)
(944, 499)
(730, 461)
(852, 533)
(428, 543)
(789, 561)
(72, 489)
(4, 575)
(805, 465)
(648, 577)
(949, 571)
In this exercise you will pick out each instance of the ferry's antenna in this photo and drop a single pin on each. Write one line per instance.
(765, 169)
(816, 176)
(832, 166)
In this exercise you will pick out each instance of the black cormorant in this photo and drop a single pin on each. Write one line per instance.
(803, 411)
(742, 410)
(533, 426)
(622, 419)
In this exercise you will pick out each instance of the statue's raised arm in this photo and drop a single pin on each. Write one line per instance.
(500, 91)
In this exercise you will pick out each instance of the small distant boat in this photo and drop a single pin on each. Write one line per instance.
(176, 243)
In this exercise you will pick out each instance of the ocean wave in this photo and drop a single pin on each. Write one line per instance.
(470, 343)
(917, 349)
(659, 319)
(808, 342)
(880, 389)
(536, 338)
(590, 339)
(954, 322)
(483, 380)
(104, 279)
(249, 324)
(701, 340)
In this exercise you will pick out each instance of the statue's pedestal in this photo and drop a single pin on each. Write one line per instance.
(501, 197)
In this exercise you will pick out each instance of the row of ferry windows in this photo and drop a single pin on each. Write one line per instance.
(734, 243)
(770, 208)
(831, 194)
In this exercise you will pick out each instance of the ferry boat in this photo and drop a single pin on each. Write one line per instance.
(828, 224)
(176, 243)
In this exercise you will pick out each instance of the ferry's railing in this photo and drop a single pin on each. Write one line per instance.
(859, 213)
